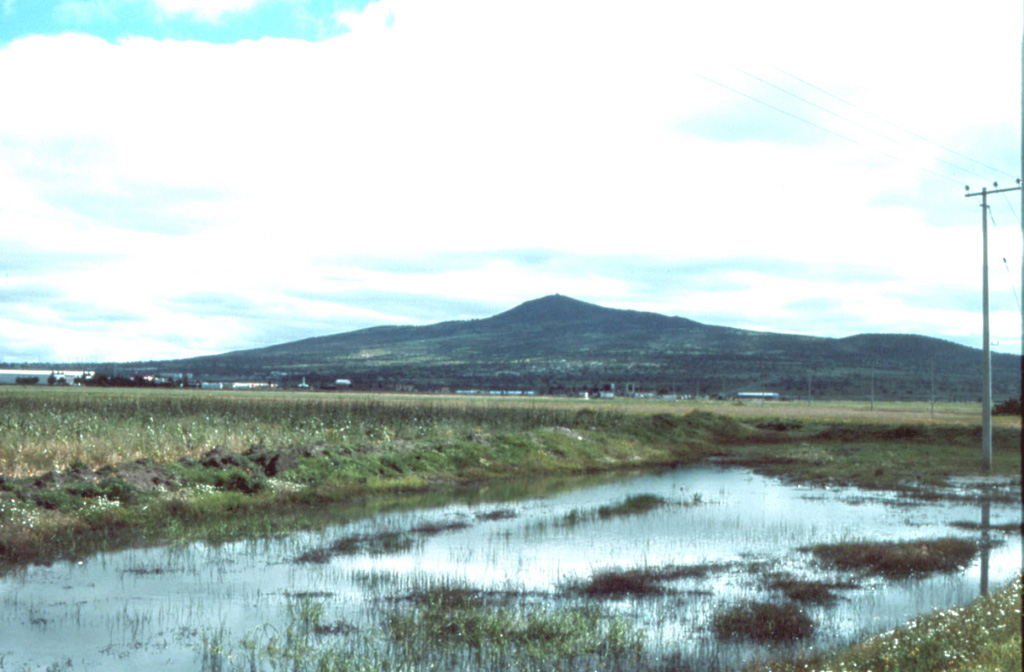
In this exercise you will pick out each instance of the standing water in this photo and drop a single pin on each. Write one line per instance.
(722, 536)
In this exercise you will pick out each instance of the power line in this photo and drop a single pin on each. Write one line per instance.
(1013, 285)
(847, 119)
(1013, 210)
(896, 126)
(823, 128)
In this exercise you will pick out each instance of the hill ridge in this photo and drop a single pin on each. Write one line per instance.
(558, 344)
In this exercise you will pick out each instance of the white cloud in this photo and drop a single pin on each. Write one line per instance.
(484, 128)
(375, 16)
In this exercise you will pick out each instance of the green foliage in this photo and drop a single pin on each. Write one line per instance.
(114, 489)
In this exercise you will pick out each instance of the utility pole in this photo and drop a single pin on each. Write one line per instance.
(933, 389)
(986, 379)
(873, 387)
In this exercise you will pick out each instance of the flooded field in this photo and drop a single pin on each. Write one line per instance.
(654, 559)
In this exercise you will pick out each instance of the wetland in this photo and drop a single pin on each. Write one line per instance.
(477, 581)
(289, 533)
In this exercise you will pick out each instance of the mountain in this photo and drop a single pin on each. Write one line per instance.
(562, 345)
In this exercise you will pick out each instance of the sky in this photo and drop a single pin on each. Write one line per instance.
(189, 177)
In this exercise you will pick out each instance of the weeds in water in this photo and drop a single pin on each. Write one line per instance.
(898, 559)
(454, 615)
(616, 582)
(446, 626)
(763, 622)
(379, 543)
(984, 636)
(632, 506)
(497, 514)
(805, 590)
(978, 527)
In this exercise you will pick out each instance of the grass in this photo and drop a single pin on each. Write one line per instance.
(633, 505)
(350, 447)
(763, 622)
(806, 591)
(443, 625)
(616, 582)
(985, 636)
(380, 449)
(898, 559)
(450, 625)
(381, 542)
(455, 615)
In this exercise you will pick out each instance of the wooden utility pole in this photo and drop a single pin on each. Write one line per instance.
(986, 378)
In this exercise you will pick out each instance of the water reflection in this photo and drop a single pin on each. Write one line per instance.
(986, 510)
(151, 607)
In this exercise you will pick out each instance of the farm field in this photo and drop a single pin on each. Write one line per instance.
(87, 470)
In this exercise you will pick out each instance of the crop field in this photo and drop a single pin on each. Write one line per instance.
(85, 470)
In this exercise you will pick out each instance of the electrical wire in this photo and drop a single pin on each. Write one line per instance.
(1009, 276)
(1013, 208)
(849, 120)
(823, 128)
(896, 126)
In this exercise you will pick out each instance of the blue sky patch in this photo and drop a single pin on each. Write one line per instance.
(113, 20)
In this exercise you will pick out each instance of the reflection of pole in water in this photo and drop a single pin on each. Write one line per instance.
(985, 545)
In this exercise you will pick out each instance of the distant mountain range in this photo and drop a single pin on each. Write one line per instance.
(557, 344)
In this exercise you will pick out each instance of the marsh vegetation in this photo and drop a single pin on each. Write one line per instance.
(327, 532)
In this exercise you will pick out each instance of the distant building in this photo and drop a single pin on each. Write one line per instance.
(241, 385)
(771, 396)
(42, 376)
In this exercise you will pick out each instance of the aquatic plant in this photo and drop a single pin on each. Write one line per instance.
(984, 636)
(898, 559)
(632, 506)
(806, 590)
(454, 615)
(616, 582)
(763, 621)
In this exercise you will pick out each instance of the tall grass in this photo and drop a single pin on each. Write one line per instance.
(51, 429)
